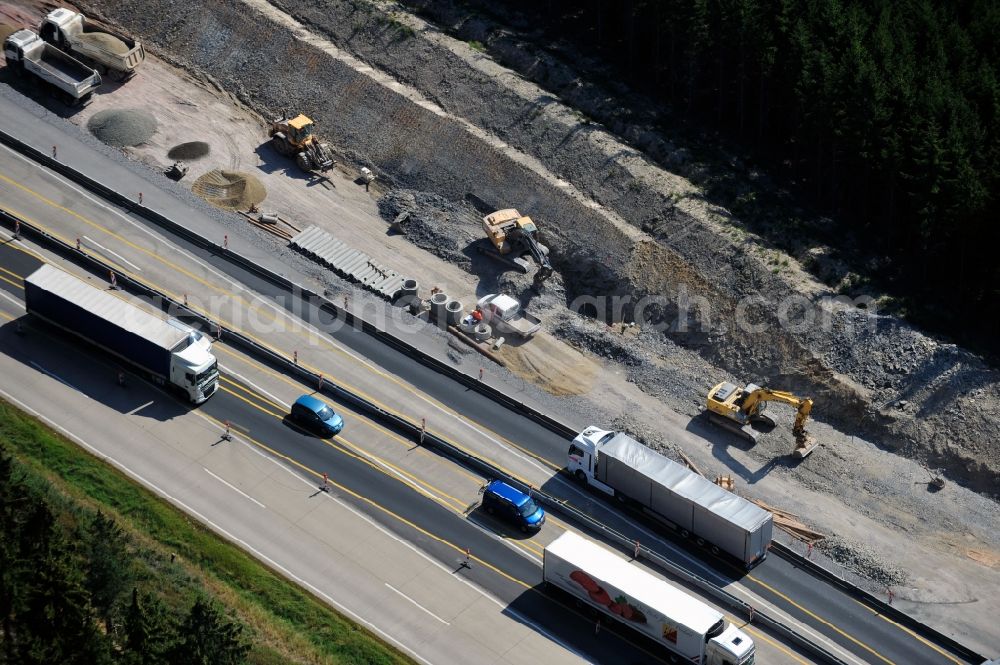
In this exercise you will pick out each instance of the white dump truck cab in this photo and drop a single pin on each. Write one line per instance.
(193, 366)
(731, 647)
(17, 43)
(582, 458)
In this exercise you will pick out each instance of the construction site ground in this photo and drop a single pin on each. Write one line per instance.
(939, 552)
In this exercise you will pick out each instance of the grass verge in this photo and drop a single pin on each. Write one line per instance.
(286, 623)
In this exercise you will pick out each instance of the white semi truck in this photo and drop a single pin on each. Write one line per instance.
(27, 54)
(689, 629)
(618, 465)
(111, 53)
(169, 352)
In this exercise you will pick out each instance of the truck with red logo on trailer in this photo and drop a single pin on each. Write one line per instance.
(687, 628)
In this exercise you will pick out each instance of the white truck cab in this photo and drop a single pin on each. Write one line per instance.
(582, 457)
(193, 366)
(732, 646)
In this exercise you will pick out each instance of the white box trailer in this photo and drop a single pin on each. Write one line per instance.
(694, 506)
(634, 597)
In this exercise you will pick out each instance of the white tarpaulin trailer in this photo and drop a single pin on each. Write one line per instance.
(691, 502)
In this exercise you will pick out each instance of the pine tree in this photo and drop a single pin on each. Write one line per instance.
(208, 638)
(108, 573)
(148, 632)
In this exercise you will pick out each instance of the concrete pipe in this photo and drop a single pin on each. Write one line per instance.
(438, 303)
(453, 312)
(408, 294)
(482, 332)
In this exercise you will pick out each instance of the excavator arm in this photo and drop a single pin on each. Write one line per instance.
(754, 404)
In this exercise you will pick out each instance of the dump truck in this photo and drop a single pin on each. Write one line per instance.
(675, 621)
(165, 350)
(27, 54)
(506, 316)
(116, 55)
(672, 494)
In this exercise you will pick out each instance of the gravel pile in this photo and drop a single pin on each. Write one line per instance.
(106, 42)
(122, 127)
(863, 560)
(233, 190)
(447, 229)
(189, 151)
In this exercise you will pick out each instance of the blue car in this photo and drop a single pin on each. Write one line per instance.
(513, 505)
(315, 415)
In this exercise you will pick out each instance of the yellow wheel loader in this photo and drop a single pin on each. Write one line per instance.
(294, 137)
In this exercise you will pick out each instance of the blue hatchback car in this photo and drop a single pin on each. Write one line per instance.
(314, 414)
(513, 505)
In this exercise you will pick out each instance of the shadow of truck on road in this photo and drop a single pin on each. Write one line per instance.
(85, 369)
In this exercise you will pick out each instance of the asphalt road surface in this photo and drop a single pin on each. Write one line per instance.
(843, 621)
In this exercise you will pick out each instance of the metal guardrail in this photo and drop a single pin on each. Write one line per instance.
(467, 380)
(418, 433)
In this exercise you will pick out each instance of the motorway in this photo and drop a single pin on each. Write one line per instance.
(422, 491)
(383, 479)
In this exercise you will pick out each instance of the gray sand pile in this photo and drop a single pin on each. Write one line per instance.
(106, 42)
(189, 151)
(122, 127)
(233, 190)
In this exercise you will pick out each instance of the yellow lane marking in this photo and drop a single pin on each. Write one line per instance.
(7, 316)
(69, 241)
(321, 338)
(25, 250)
(12, 274)
(458, 504)
(524, 544)
(341, 442)
(267, 310)
(279, 416)
(910, 632)
(757, 635)
(12, 282)
(251, 393)
(821, 620)
(377, 463)
(374, 504)
(299, 385)
(120, 238)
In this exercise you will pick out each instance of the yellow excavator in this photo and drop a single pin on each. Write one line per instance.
(737, 409)
(513, 237)
(294, 137)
